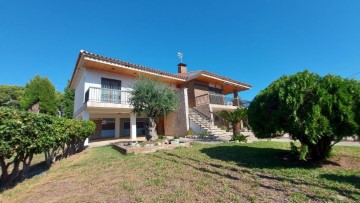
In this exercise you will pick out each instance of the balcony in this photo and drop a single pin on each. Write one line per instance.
(112, 96)
(219, 99)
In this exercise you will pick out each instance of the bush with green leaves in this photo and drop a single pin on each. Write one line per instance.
(240, 138)
(40, 91)
(153, 99)
(317, 111)
(24, 134)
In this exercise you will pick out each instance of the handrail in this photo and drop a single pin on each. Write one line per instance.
(202, 115)
(105, 95)
(214, 98)
(100, 88)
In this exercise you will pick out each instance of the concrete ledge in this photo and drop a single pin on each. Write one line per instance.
(143, 150)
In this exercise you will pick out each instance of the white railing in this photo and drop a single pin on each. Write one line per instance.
(211, 98)
(103, 95)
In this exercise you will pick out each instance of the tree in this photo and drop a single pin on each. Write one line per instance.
(234, 118)
(40, 91)
(68, 102)
(153, 99)
(317, 111)
(10, 96)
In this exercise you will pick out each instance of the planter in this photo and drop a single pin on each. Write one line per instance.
(175, 141)
(140, 150)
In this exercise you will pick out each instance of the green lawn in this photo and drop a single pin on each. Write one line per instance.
(256, 172)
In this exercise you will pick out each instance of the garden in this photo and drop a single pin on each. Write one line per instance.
(254, 172)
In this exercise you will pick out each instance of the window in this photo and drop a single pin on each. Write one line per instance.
(108, 127)
(110, 84)
(110, 90)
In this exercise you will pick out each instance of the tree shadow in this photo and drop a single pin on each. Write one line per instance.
(35, 169)
(351, 179)
(253, 157)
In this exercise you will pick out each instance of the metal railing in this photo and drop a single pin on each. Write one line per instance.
(211, 98)
(102, 95)
(200, 114)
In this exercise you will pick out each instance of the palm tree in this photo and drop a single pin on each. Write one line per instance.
(234, 118)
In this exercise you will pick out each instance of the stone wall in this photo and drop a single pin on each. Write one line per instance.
(177, 123)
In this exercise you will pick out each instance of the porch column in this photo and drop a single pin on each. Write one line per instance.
(236, 98)
(117, 127)
(186, 102)
(133, 126)
(85, 117)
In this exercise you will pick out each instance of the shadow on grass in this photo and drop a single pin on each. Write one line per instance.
(254, 157)
(35, 169)
(351, 179)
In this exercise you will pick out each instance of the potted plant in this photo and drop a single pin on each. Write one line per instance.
(176, 140)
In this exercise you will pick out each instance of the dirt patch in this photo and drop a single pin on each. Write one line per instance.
(342, 162)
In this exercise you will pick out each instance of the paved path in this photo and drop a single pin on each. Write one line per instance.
(221, 139)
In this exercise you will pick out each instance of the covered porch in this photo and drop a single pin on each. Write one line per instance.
(114, 124)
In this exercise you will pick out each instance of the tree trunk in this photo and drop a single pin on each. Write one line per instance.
(321, 149)
(236, 128)
(150, 130)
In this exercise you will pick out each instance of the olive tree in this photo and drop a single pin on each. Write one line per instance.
(152, 99)
(317, 111)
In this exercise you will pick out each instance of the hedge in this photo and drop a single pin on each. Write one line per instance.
(24, 134)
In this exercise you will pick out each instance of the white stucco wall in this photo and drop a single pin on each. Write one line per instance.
(79, 94)
(93, 79)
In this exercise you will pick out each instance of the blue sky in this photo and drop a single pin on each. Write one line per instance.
(251, 41)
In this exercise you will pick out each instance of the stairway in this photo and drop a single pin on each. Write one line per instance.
(205, 123)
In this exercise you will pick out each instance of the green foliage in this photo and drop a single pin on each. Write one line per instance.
(203, 134)
(67, 104)
(234, 117)
(24, 134)
(153, 99)
(162, 137)
(315, 110)
(223, 127)
(40, 90)
(10, 96)
(240, 138)
(189, 132)
(304, 150)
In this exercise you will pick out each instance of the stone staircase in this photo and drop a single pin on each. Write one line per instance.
(205, 123)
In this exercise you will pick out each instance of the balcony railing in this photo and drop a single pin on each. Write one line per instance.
(102, 95)
(211, 98)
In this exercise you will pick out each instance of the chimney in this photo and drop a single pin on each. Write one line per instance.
(182, 68)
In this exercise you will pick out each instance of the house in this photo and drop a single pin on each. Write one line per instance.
(102, 90)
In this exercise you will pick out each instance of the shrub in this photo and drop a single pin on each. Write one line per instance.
(223, 127)
(189, 132)
(203, 134)
(317, 111)
(23, 134)
(162, 137)
(240, 138)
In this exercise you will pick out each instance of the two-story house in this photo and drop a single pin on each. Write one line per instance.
(103, 87)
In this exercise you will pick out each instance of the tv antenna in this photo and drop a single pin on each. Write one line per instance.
(180, 55)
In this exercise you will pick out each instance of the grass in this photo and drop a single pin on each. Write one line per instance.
(255, 172)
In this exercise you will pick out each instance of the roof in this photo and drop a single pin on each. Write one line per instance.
(119, 62)
(195, 74)
(185, 77)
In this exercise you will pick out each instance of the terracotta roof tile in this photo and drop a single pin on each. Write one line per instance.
(86, 53)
